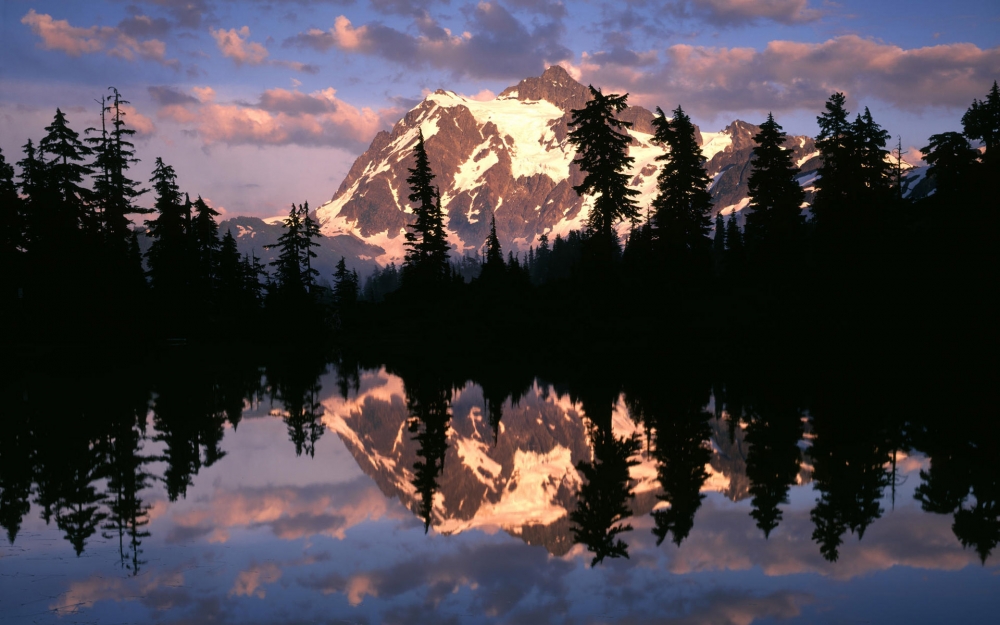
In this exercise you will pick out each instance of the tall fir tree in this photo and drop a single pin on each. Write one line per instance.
(310, 232)
(288, 264)
(70, 211)
(206, 247)
(682, 207)
(168, 256)
(775, 218)
(493, 265)
(874, 176)
(345, 285)
(34, 189)
(951, 161)
(114, 154)
(602, 154)
(427, 247)
(835, 143)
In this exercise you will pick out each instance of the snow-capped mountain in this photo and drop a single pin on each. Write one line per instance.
(510, 157)
(526, 482)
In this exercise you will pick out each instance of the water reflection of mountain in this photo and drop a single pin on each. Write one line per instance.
(526, 482)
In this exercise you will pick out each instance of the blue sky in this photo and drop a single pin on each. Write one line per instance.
(258, 104)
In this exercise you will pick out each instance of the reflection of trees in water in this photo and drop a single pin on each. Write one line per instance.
(679, 446)
(603, 501)
(126, 475)
(428, 401)
(294, 381)
(16, 465)
(773, 431)
(850, 452)
(964, 477)
(189, 421)
(672, 408)
(86, 456)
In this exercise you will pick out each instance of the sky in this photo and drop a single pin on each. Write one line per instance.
(261, 103)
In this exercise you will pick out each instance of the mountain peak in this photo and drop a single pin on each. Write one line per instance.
(555, 85)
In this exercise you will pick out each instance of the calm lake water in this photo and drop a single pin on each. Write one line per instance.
(300, 491)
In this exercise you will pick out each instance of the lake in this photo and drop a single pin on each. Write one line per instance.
(194, 487)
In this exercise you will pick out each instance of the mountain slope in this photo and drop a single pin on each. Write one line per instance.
(510, 157)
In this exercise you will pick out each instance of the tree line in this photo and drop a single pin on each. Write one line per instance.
(73, 257)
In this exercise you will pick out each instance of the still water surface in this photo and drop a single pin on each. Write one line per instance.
(307, 492)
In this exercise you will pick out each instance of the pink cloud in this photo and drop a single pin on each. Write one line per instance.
(281, 117)
(142, 125)
(235, 44)
(75, 41)
(733, 12)
(788, 75)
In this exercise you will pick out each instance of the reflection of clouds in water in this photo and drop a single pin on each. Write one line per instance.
(501, 576)
(290, 512)
(250, 582)
(161, 592)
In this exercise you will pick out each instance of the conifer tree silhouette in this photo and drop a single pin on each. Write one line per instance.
(288, 264)
(345, 285)
(951, 162)
(12, 240)
(169, 253)
(981, 122)
(775, 217)
(493, 267)
(310, 232)
(70, 212)
(206, 248)
(682, 205)
(602, 153)
(427, 247)
(114, 192)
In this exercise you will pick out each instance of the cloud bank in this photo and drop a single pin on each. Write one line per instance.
(75, 41)
(279, 117)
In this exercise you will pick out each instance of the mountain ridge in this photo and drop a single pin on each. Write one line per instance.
(510, 158)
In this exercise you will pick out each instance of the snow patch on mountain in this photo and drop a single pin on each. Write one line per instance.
(526, 130)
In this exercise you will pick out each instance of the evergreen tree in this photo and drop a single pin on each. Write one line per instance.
(427, 247)
(493, 267)
(540, 271)
(70, 211)
(874, 177)
(345, 285)
(288, 264)
(169, 254)
(982, 123)
(952, 161)
(114, 192)
(33, 187)
(835, 143)
(310, 231)
(11, 217)
(602, 153)
(206, 246)
(775, 216)
(682, 205)
(735, 248)
(719, 239)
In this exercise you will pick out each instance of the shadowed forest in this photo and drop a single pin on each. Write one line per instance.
(862, 261)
